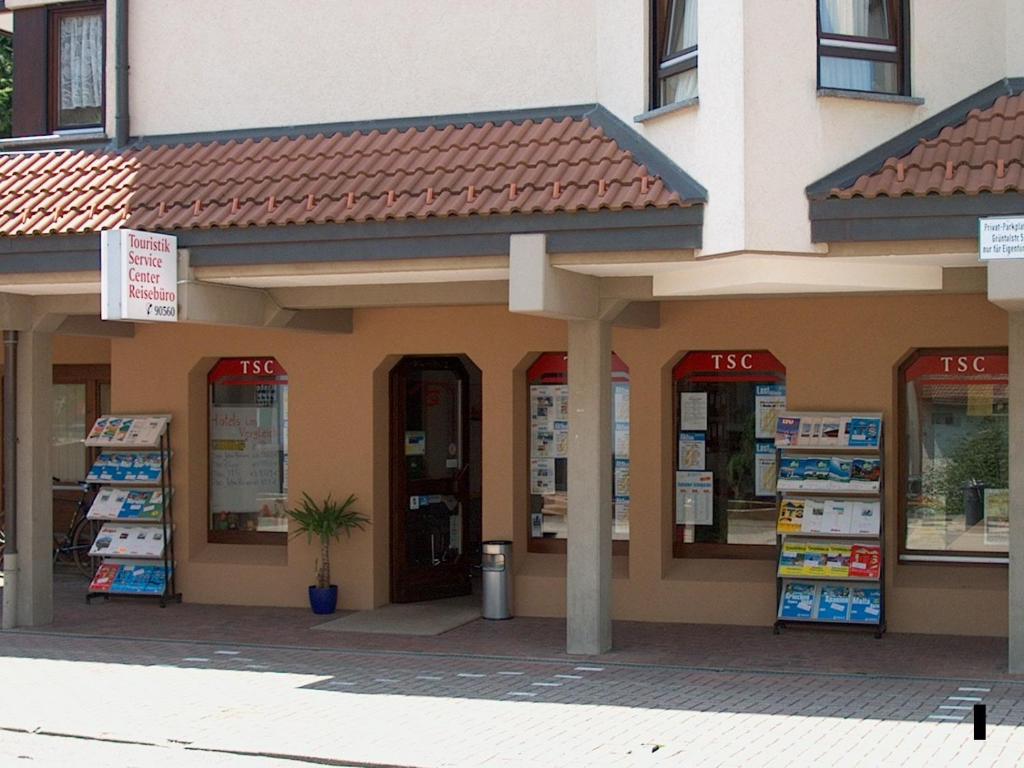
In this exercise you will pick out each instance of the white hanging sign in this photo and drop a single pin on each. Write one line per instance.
(138, 275)
(1001, 238)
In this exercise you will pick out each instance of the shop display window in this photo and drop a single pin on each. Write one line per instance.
(954, 498)
(248, 442)
(548, 380)
(725, 405)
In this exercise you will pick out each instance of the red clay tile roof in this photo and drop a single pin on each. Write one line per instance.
(525, 167)
(983, 153)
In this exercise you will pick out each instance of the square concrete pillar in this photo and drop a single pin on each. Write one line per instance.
(1016, 416)
(589, 547)
(35, 493)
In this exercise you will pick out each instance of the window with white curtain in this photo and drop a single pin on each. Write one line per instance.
(675, 51)
(77, 80)
(862, 46)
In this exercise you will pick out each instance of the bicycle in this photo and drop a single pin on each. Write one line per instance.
(74, 546)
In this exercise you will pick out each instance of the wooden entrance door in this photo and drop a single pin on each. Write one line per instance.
(430, 471)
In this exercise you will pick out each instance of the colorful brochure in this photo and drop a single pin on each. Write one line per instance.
(838, 560)
(839, 470)
(791, 516)
(815, 560)
(862, 432)
(829, 473)
(797, 600)
(865, 605)
(791, 559)
(834, 603)
(787, 431)
(817, 429)
(116, 540)
(127, 431)
(865, 561)
(865, 474)
(127, 466)
(127, 504)
(129, 578)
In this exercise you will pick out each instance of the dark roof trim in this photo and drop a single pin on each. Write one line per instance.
(604, 231)
(907, 218)
(906, 141)
(575, 111)
(55, 253)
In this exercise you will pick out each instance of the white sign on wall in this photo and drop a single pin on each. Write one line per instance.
(1001, 238)
(138, 276)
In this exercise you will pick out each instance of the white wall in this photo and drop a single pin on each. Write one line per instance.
(200, 66)
(758, 137)
(761, 133)
(1014, 38)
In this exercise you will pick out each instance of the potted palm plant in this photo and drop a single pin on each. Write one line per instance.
(326, 520)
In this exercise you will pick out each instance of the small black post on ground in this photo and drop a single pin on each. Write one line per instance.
(979, 722)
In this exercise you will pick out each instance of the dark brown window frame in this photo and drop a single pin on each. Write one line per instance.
(54, 17)
(900, 39)
(249, 538)
(899, 377)
(660, 11)
(702, 550)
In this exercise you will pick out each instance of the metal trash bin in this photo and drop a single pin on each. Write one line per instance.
(496, 567)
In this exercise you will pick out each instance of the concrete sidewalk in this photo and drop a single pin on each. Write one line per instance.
(144, 702)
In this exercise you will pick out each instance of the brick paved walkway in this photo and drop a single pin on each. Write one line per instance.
(635, 642)
(214, 702)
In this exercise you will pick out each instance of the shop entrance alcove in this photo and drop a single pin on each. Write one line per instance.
(435, 430)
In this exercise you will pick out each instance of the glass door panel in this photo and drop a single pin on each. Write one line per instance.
(430, 485)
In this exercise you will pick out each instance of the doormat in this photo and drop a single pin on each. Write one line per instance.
(433, 617)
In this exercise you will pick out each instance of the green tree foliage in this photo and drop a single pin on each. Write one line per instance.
(980, 459)
(6, 84)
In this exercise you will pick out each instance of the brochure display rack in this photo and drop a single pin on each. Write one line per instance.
(134, 502)
(830, 531)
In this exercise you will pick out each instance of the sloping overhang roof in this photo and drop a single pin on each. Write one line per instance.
(451, 185)
(933, 181)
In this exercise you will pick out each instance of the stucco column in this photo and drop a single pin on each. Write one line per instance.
(1016, 402)
(35, 494)
(589, 566)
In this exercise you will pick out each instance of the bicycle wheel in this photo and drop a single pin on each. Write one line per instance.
(80, 543)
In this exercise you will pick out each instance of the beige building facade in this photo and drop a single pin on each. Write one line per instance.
(653, 180)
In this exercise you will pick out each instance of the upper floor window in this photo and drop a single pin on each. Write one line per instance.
(862, 45)
(675, 51)
(58, 68)
(76, 67)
